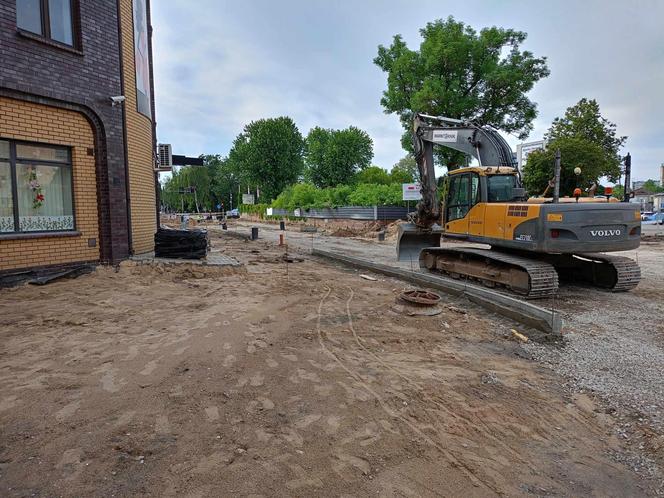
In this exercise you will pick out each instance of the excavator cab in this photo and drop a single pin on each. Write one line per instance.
(464, 195)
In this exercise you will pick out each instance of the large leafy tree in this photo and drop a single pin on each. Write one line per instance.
(225, 182)
(268, 154)
(586, 140)
(584, 120)
(334, 157)
(374, 175)
(405, 170)
(574, 152)
(460, 73)
(189, 189)
(652, 186)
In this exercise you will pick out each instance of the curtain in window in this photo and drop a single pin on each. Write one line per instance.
(6, 205)
(44, 198)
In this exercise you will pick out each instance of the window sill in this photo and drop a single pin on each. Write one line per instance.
(38, 235)
(48, 41)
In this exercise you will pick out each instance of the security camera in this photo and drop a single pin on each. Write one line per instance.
(117, 100)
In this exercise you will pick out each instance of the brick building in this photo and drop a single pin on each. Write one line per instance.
(77, 179)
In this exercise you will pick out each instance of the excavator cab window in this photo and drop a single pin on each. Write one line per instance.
(474, 189)
(458, 197)
(500, 187)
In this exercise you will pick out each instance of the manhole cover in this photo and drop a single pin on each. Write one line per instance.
(420, 297)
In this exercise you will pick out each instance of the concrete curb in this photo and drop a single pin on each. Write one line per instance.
(543, 319)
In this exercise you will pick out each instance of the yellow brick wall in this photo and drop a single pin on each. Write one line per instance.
(38, 123)
(139, 145)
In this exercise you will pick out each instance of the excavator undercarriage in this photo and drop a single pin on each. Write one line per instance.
(534, 276)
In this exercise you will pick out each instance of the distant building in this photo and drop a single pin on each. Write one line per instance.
(643, 198)
(658, 203)
(661, 174)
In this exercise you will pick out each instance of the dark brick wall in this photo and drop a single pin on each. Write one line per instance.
(44, 73)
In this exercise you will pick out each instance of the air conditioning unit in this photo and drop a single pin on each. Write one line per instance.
(165, 156)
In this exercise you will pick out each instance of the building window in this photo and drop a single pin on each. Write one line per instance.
(49, 18)
(36, 193)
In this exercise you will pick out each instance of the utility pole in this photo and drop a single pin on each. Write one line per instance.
(556, 178)
(628, 177)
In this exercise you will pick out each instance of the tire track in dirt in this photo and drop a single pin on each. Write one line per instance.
(475, 480)
(425, 398)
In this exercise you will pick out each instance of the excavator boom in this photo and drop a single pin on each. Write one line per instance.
(482, 142)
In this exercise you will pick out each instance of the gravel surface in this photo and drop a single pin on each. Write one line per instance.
(614, 343)
(614, 348)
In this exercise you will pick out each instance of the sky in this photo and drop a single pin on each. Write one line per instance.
(220, 64)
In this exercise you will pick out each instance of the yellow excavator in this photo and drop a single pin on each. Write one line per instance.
(534, 242)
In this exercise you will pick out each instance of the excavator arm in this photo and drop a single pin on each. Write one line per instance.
(481, 142)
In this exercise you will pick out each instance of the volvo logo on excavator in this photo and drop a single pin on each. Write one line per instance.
(605, 233)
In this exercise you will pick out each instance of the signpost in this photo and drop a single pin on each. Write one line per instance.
(247, 198)
(522, 151)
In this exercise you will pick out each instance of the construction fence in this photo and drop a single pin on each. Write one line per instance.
(364, 213)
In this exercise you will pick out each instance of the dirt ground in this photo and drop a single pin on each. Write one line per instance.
(282, 380)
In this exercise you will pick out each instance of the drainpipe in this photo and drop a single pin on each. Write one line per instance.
(148, 8)
(130, 242)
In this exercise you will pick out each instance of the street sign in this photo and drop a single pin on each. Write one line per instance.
(411, 191)
(247, 198)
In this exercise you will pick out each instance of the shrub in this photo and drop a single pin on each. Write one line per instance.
(307, 196)
(255, 209)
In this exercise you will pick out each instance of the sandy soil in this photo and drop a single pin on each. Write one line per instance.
(281, 380)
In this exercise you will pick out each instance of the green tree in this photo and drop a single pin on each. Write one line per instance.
(374, 174)
(226, 182)
(574, 152)
(586, 139)
(584, 120)
(268, 154)
(618, 192)
(333, 157)
(461, 74)
(652, 187)
(176, 194)
(405, 170)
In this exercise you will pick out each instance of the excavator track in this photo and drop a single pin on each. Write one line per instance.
(615, 273)
(532, 278)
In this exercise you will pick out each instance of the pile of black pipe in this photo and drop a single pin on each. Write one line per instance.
(180, 244)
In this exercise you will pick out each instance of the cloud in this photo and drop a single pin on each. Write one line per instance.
(222, 64)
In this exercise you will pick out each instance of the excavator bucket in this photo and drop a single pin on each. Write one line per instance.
(412, 239)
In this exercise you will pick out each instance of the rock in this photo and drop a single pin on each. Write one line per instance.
(490, 378)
